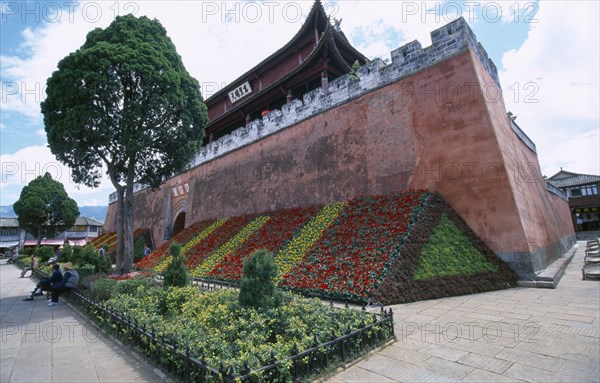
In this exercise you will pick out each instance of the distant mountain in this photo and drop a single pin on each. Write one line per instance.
(96, 212)
(7, 212)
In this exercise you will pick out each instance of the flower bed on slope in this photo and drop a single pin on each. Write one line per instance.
(182, 237)
(102, 239)
(442, 257)
(397, 248)
(221, 235)
(110, 239)
(272, 236)
(350, 258)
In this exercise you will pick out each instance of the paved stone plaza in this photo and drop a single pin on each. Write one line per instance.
(521, 334)
(55, 344)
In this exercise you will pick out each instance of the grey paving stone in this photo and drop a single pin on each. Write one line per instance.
(482, 376)
(404, 355)
(83, 373)
(581, 369)
(479, 347)
(359, 375)
(410, 343)
(6, 366)
(418, 374)
(482, 362)
(28, 372)
(444, 352)
(454, 370)
(533, 374)
(380, 363)
(533, 359)
(434, 312)
(570, 317)
(8, 352)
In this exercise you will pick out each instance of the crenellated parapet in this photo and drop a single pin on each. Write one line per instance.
(447, 41)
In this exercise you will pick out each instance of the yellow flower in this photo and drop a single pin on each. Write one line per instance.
(193, 242)
(297, 248)
(213, 260)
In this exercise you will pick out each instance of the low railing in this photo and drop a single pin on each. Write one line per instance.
(178, 359)
(554, 190)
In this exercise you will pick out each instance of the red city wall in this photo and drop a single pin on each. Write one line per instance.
(433, 130)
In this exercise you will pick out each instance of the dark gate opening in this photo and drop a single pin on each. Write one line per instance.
(179, 224)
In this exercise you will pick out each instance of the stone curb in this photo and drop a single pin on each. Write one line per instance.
(551, 275)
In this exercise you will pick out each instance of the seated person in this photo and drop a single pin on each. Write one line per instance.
(69, 282)
(46, 284)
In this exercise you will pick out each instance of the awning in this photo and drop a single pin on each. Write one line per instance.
(78, 242)
(45, 242)
(9, 243)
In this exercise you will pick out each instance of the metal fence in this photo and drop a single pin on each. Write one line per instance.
(179, 360)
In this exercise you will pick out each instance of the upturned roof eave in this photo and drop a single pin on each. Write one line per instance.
(326, 42)
(316, 16)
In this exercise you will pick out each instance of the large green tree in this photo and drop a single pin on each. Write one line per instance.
(44, 208)
(124, 101)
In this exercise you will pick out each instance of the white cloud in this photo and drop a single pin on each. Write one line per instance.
(21, 167)
(552, 83)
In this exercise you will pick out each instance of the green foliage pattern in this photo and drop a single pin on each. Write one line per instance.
(225, 331)
(448, 252)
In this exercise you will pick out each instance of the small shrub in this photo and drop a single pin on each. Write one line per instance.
(103, 289)
(86, 282)
(88, 258)
(44, 253)
(176, 274)
(76, 253)
(67, 254)
(85, 270)
(257, 288)
(130, 286)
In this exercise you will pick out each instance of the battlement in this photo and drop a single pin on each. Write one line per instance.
(447, 41)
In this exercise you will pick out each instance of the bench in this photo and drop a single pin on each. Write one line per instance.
(591, 271)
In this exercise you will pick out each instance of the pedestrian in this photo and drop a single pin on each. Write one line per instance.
(33, 265)
(46, 284)
(146, 251)
(69, 282)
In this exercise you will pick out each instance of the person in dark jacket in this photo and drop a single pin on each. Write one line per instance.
(69, 282)
(46, 284)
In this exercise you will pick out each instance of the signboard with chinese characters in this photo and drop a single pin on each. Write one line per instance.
(240, 92)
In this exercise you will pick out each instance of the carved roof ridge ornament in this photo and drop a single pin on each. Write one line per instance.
(336, 24)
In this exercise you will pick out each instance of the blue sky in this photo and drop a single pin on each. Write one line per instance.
(546, 53)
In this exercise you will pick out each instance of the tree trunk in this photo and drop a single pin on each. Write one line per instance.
(120, 234)
(39, 242)
(128, 263)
